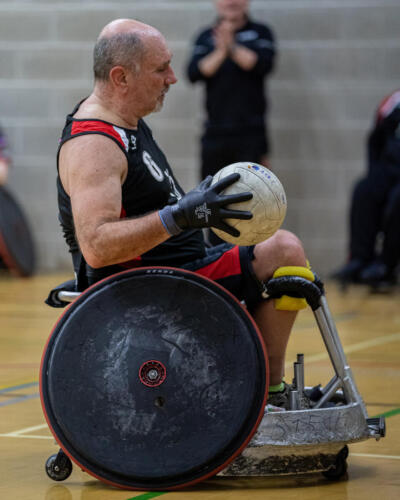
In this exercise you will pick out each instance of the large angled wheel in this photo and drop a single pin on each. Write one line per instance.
(154, 378)
(16, 243)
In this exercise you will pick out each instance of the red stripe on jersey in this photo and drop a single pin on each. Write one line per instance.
(88, 126)
(227, 265)
(388, 104)
(136, 262)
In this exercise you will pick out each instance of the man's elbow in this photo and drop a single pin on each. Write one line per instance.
(94, 257)
(94, 261)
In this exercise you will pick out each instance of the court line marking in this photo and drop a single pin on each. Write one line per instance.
(149, 495)
(389, 413)
(29, 429)
(370, 455)
(19, 399)
(354, 347)
(25, 436)
(10, 388)
(23, 433)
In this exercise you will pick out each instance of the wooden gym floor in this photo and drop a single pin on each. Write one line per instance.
(369, 326)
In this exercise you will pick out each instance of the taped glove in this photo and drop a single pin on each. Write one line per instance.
(204, 206)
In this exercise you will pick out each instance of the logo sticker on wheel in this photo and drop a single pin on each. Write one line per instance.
(152, 373)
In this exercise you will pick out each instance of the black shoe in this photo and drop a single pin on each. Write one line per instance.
(378, 276)
(350, 272)
(280, 399)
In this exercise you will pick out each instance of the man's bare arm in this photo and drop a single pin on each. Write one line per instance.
(225, 46)
(92, 169)
(210, 64)
(243, 57)
(3, 171)
(223, 40)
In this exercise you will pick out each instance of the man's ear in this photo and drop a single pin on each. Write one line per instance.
(119, 77)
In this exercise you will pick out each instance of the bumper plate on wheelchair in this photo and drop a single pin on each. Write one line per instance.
(300, 441)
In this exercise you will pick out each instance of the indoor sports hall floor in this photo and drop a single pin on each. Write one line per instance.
(369, 326)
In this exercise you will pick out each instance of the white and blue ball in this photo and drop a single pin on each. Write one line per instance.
(268, 204)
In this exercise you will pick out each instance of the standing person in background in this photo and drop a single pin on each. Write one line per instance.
(233, 57)
(375, 206)
(4, 158)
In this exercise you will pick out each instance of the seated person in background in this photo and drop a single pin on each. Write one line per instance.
(4, 159)
(120, 205)
(375, 207)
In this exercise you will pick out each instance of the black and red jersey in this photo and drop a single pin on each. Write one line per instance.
(149, 186)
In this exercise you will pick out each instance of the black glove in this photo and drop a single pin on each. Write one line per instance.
(205, 207)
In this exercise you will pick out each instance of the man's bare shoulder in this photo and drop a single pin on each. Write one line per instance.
(89, 155)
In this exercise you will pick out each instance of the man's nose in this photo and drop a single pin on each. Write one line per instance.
(171, 78)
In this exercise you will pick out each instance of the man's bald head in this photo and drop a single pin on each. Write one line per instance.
(121, 43)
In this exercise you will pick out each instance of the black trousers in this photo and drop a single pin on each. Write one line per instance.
(375, 208)
(218, 151)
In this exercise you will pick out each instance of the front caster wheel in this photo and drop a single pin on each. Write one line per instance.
(340, 468)
(58, 467)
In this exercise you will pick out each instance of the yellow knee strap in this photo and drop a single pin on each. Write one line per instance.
(303, 272)
(287, 303)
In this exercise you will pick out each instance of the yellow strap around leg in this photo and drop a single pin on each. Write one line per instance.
(287, 303)
(303, 272)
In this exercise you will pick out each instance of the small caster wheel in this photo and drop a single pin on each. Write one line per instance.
(58, 467)
(340, 468)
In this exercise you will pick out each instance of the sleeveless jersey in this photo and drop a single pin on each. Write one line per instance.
(149, 186)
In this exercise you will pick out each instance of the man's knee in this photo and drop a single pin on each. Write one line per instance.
(282, 249)
(290, 249)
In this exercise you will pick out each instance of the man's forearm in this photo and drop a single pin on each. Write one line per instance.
(122, 240)
(245, 58)
(210, 64)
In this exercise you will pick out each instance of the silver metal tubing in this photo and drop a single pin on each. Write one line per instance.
(65, 296)
(329, 384)
(294, 400)
(336, 353)
(340, 367)
(299, 376)
(332, 328)
(327, 395)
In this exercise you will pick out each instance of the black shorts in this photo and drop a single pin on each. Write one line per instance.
(231, 267)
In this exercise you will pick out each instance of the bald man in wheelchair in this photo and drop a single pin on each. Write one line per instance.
(121, 207)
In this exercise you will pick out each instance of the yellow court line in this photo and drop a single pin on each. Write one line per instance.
(370, 455)
(355, 347)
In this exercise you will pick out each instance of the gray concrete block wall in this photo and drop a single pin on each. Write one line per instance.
(337, 59)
